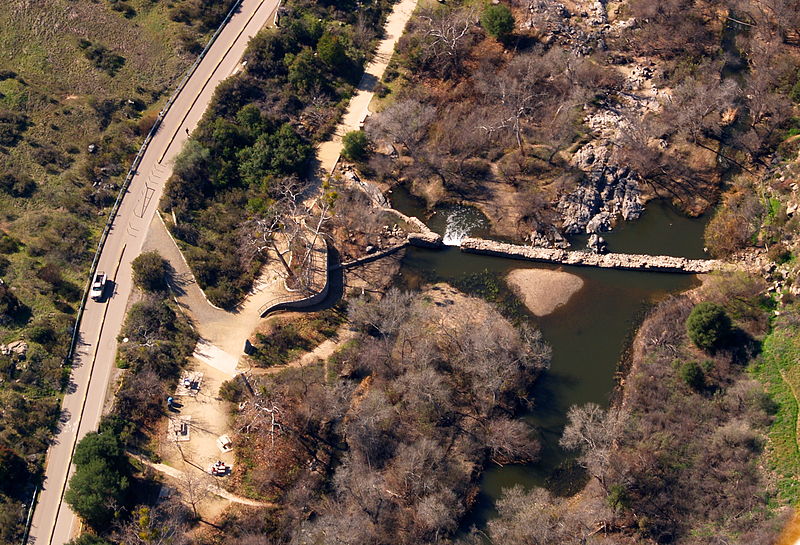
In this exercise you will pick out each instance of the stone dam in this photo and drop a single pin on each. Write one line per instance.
(635, 262)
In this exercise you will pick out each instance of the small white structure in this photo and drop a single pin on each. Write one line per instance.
(220, 469)
(224, 443)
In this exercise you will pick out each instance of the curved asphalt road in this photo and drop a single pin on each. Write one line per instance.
(53, 522)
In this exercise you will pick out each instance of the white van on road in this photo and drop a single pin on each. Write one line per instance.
(98, 286)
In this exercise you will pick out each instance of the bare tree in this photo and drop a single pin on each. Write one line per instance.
(385, 316)
(298, 229)
(194, 487)
(404, 122)
(592, 431)
(510, 441)
(538, 518)
(260, 417)
(447, 35)
(164, 524)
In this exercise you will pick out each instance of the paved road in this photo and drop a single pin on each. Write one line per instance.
(53, 522)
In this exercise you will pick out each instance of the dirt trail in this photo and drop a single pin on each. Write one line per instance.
(323, 351)
(180, 476)
(222, 333)
(328, 152)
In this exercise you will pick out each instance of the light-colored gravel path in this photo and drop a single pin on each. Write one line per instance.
(222, 333)
(328, 152)
(179, 477)
(321, 352)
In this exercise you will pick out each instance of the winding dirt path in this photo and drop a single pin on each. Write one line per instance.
(222, 333)
(180, 477)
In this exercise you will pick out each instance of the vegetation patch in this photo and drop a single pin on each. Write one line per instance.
(285, 339)
(101, 57)
(778, 369)
(259, 132)
(422, 399)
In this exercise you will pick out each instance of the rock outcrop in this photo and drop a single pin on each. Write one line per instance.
(554, 20)
(15, 348)
(371, 190)
(423, 236)
(597, 244)
(637, 262)
(607, 192)
(552, 238)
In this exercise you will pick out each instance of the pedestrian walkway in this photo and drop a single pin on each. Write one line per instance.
(179, 477)
(222, 333)
(358, 110)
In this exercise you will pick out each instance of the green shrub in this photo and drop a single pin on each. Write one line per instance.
(305, 72)
(708, 325)
(93, 489)
(498, 21)
(12, 125)
(16, 185)
(331, 51)
(8, 244)
(12, 517)
(794, 93)
(222, 296)
(231, 390)
(13, 470)
(150, 272)
(618, 497)
(100, 56)
(42, 333)
(88, 539)
(355, 146)
(10, 307)
(779, 253)
(280, 153)
(692, 374)
(265, 53)
(98, 445)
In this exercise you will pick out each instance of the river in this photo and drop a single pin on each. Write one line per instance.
(589, 334)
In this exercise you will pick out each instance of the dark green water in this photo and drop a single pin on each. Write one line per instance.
(661, 230)
(589, 334)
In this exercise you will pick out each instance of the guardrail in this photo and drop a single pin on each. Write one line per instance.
(132, 172)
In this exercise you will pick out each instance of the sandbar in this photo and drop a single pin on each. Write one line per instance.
(543, 290)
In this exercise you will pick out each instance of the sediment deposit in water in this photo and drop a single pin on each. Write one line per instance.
(542, 290)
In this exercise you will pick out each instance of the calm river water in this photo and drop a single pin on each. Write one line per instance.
(589, 334)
